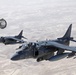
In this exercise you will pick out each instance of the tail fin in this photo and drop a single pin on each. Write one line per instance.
(67, 35)
(20, 34)
(68, 32)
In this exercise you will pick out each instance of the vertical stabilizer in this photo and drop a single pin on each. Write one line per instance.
(68, 32)
(20, 35)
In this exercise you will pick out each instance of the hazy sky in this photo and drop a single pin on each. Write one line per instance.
(18, 2)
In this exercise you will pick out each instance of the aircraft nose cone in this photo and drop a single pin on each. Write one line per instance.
(15, 57)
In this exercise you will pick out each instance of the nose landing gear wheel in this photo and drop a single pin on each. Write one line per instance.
(39, 59)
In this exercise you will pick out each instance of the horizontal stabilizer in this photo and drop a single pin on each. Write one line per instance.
(24, 37)
(73, 40)
(68, 32)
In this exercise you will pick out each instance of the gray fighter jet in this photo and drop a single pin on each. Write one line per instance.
(44, 50)
(12, 39)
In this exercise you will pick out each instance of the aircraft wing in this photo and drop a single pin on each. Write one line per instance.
(59, 45)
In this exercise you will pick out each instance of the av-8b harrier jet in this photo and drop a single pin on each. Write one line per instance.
(13, 39)
(44, 50)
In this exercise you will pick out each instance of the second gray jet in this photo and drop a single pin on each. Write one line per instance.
(13, 39)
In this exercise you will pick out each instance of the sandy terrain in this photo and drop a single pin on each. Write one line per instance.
(40, 20)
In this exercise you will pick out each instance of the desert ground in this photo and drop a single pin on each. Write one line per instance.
(40, 20)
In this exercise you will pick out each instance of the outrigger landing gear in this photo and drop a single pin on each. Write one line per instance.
(71, 54)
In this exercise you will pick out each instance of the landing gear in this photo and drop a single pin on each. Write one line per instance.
(71, 54)
(60, 52)
(46, 56)
(40, 59)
